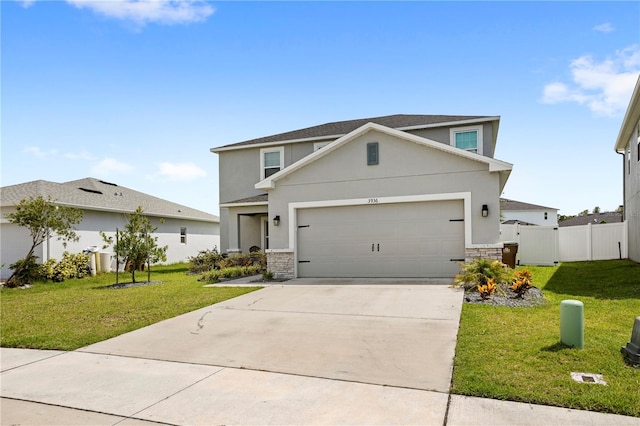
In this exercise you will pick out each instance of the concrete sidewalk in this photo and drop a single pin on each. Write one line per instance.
(300, 353)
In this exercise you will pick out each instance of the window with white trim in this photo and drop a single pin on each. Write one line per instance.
(183, 235)
(467, 138)
(271, 161)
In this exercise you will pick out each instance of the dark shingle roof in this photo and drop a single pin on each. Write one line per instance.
(594, 219)
(96, 194)
(262, 198)
(339, 128)
(506, 205)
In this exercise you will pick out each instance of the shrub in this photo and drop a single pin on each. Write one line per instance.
(205, 260)
(27, 272)
(479, 271)
(257, 258)
(71, 266)
(267, 276)
(487, 289)
(216, 275)
(522, 282)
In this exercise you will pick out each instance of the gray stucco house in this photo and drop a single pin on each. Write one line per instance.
(185, 230)
(628, 145)
(391, 196)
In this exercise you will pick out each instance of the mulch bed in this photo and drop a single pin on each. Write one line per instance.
(533, 297)
(131, 285)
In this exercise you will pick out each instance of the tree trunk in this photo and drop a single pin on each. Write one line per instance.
(11, 282)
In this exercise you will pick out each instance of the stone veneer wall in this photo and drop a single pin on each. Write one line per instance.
(280, 262)
(485, 253)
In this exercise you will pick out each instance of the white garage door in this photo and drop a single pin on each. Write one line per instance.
(417, 240)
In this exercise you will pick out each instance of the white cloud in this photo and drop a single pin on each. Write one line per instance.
(142, 12)
(180, 171)
(26, 3)
(604, 28)
(83, 155)
(34, 150)
(603, 86)
(38, 152)
(109, 166)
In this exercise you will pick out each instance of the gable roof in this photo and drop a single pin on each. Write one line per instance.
(502, 167)
(95, 194)
(631, 118)
(508, 205)
(593, 218)
(337, 129)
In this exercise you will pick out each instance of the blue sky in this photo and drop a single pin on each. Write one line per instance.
(137, 92)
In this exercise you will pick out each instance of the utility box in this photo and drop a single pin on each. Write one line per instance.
(509, 251)
(572, 323)
(631, 352)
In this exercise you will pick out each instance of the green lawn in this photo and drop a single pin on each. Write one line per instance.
(515, 353)
(79, 312)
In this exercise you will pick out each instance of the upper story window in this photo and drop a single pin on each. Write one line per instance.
(271, 161)
(467, 138)
(183, 235)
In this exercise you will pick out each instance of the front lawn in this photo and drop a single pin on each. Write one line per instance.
(79, 312)
(515, 353)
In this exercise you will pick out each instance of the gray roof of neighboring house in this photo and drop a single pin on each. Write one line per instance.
(340, 128)
(506, 205)
(262, 198)
(95, 194)
(518, 222)
(594, 218)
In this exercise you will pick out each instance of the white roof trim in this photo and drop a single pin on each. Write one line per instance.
(248, 204)
(144, 213)
(319, 138)
(630, 120)
(494, 165)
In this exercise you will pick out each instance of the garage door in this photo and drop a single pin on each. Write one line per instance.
(415, 240)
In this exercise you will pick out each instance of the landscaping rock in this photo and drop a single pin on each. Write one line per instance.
(533, 297)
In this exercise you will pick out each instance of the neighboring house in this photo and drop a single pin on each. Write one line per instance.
(593, 218)
(391, 196)
(524, 213)
(185, 230)
(628, 145)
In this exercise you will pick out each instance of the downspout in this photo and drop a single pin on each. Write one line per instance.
(624, 187)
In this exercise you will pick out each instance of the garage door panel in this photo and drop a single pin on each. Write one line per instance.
(388, 240)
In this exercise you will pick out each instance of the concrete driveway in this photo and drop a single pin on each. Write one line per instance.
(400, 335)
(302, 352)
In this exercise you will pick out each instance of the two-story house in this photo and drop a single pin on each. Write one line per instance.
(628, 145)
(391, 196)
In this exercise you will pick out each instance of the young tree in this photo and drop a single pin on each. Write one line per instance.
(136, 245)
(42, 218)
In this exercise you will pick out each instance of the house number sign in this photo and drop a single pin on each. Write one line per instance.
(373, 201)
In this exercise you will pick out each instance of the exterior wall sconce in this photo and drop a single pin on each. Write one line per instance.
(485, 210)
(276, 221)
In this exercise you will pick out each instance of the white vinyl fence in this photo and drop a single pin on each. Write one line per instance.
(548, 245)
